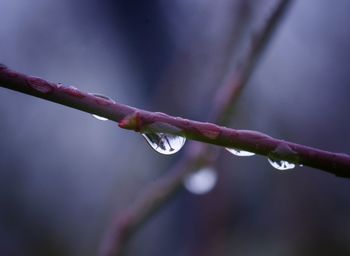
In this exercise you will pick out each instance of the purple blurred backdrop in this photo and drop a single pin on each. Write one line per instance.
(64, 174)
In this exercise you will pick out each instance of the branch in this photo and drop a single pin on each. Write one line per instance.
(145, 121)
(228, 95)
(151, 199)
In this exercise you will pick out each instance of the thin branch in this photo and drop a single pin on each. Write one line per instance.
(149, 201)
(145, 121)
(228, 94)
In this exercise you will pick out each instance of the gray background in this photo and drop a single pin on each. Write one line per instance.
(63, 174)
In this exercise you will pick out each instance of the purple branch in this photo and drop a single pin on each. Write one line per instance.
(145, 121)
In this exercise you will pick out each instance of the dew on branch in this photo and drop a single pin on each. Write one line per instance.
(238, 152)
(281, 165)
(39, 85)
(163, 143)
(104, 97)
(74, 92)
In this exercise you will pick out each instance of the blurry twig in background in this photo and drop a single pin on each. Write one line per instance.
(228, 94)
(165, 187)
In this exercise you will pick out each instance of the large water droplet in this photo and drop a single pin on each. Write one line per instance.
(281, 164)
(164, 143)
(202, 181)
(101, 118)
(238, 152)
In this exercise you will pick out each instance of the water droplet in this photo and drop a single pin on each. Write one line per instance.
(39, 85)
(202, 181)
(238, 152)
(74, 92)
(101, 118)
(281, 164)
(164, 143)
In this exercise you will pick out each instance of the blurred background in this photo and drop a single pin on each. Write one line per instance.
(64, 174)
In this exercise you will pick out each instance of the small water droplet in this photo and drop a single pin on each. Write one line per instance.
(39, 85)
(202, 181)
(238, 152)
(73, 92)
(101, 118)
(281, 164)
(164, 143)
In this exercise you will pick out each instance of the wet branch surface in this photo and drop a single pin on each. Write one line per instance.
(145, 121)
(139, 120)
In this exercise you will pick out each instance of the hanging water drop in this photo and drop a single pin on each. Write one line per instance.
(281, 164)
(238, 152)
(202, 181)
(101, 118)
(164, 143)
